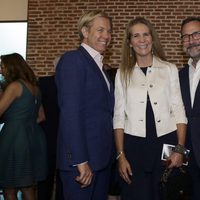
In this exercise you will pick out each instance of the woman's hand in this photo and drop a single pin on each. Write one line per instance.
(124, 169)
(176, 160)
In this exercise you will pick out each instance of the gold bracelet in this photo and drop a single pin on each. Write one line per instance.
(119, 155)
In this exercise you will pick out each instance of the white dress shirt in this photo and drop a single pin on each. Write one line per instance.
(194, 77)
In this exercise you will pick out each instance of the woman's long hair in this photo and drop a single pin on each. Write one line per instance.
(128, 54)
(15, 68)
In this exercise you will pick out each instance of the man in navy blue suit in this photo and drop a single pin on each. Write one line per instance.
(85, 98)
(190, 88)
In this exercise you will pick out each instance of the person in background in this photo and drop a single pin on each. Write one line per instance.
(148, 112)
(190, 88)
(47, 86)
(22, 141)
(85, 98)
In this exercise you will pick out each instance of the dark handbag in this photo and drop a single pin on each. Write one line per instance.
(176, 184)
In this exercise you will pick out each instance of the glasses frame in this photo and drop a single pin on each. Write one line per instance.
(194, 35)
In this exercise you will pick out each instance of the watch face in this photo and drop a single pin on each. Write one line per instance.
(186, 152)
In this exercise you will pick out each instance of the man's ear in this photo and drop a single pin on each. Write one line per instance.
(84, 31)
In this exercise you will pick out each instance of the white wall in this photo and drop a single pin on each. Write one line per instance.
(11, 10)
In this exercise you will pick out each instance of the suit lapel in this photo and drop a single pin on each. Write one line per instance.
(92, 64)
(109, 80)
(185, 89)
(196, 98)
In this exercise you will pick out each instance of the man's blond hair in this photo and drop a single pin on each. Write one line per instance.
(88, 17)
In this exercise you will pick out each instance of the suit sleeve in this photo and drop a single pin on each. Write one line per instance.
(70, 80)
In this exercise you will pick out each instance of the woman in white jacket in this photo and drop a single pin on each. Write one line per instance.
(148, 112)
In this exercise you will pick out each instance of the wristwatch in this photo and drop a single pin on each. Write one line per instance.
(181, 149)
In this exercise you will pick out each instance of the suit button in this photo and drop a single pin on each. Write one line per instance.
(151, 86)
(159, 121)
(155, 103)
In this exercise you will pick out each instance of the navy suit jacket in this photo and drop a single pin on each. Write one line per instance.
(86, 109)
(193, 114)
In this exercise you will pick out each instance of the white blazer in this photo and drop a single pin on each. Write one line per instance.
(162, 84)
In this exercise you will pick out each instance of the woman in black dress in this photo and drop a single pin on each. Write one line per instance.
(148, 112)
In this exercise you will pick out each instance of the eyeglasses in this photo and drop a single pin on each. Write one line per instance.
(195, 36)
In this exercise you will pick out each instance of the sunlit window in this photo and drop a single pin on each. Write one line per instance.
(13, 38)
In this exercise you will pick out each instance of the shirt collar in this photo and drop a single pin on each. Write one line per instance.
(155, 64)
(191, 66)
(95, 54)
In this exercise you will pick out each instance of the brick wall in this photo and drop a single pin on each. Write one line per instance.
(52, 27)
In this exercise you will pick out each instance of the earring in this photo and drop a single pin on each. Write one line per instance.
(130, 51)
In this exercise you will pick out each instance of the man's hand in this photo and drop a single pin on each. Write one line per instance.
(85, 176)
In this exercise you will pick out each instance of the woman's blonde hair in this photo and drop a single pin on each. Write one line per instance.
(128, 53)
